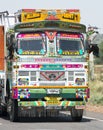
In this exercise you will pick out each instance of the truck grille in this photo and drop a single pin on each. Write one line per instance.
(31, 74)
(52, 76)
(70, 75)
(23, 73)
(52, 84)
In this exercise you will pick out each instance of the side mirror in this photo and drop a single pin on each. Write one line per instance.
(95, 49)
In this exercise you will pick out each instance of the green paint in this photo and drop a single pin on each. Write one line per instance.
(60, 51)
(43, 103)
(63, 103)
(52, 67)
(81, 52)
(68, 90)
(38, 95)
(51, 24)
(72, 103)
(38, 91)
(20, 51)
(42, 51)
(68, 95)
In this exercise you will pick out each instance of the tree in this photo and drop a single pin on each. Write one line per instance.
(101, 50)
(99, 60)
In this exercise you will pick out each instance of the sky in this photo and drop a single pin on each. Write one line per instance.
(91, 10)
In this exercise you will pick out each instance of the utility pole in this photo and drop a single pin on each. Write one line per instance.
(6, 19)
(2, 17)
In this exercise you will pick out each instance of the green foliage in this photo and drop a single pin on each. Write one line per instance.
(101, 49)
(99, 60)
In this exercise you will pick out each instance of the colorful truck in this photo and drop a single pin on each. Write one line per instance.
(47, 64)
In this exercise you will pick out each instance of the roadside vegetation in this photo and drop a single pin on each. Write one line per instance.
(96, 92)
(96, 85)
(99, 60)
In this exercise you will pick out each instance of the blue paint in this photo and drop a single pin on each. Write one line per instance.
(81, 52)
(60, 51)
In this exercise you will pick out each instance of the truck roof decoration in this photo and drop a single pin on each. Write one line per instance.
(50, 25)
(33, 15)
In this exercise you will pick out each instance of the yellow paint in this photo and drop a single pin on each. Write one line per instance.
(37, 87)
(33, 16)
(70, 53)
(62, 15)
(53, 98)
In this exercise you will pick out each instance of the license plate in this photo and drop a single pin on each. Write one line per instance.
(80, 107)
(52, 102)
(53, 91)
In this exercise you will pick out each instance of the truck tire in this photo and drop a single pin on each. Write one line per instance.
(76, 114)
(14, 111)
(3, 111)
(8, 89)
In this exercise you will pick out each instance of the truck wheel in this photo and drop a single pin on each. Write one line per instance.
(76, 114)
(14, 111)
(8, 89)
(3, 111)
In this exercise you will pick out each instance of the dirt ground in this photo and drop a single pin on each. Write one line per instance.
(93, 108)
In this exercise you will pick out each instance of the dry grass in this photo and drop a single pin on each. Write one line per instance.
(95, 103)
(96, 86)
(96, 90)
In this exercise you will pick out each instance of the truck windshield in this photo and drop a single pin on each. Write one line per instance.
(31, 47)
(70, 46)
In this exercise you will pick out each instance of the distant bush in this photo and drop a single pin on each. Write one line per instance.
(99, 60)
